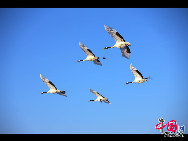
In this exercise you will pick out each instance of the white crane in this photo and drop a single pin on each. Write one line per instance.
(52, 87)
(90, 55)
(99, 97)
(120, 42)
(138, 76)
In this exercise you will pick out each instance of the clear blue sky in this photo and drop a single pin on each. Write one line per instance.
(45, 41)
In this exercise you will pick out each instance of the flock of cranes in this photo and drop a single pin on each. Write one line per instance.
(125, 50)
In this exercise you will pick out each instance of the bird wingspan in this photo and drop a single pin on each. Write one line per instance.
(117, 37)
(95, 93)
(86, 50)
(48, 82)
(136, 73)
(125, 52)
(97, 62)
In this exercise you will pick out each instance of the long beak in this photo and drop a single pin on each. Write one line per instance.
(90, 100)
(127, 83)
(80, 60)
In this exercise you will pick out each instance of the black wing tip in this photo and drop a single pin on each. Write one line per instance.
(90, 52)
(52, 84)
(139, 73)
(128, 50)
(117, 33)
(97, 62)
(63, 92)
(128, 57)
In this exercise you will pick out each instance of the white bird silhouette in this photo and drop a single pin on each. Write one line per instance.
(120, 42)
(90, 55)
(52, 87)
(99, 97)
(138, 76)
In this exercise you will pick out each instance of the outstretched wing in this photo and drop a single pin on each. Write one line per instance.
(86, 50)
(136, 73)
(125, 52)
(60, 93)
(117, 37)
(106, 101)
(48, 83)
(95, 93)
(97, 62)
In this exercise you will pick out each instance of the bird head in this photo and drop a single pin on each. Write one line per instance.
(63, 92)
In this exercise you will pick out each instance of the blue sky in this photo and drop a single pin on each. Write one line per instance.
(36, 41)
